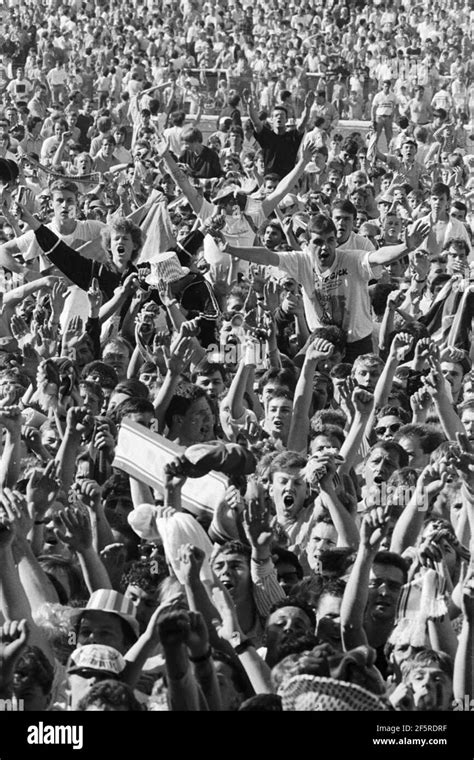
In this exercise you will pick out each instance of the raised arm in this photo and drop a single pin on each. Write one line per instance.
(72, 264)
(299, 428)
(252, 111)
(181, 178)
(11, 454)
(76, 532)
(347, 533)
(234, 400)
(390, 253)
(463, 681)
(410, 523)
(308, 104)
(363, 403)
(356, 594)
(399, 349)
(287, 183)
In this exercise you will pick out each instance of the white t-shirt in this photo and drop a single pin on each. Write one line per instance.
(384, 104)
(237, 232)
(341, 291)
(445, 231)
(86, 230)
(356, 242)
(76, 301)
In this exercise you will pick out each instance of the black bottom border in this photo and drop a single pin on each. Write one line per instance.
(374, 735)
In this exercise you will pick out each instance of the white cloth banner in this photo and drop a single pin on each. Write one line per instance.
(143, 455)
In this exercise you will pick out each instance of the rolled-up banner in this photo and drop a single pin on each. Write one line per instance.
(143, 455)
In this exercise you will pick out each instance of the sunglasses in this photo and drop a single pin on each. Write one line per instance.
(393, 428)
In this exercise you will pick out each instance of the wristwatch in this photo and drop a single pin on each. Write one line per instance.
(240, 642)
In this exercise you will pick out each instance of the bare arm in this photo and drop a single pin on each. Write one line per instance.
(182, 180)
(287, 183)
(234, 399)
(363, 402)
(76, 533)
(256, 255)
(308, 104)
(463, 681)
(14, 603)
(356, 593)
(410, 523)
(347, 533)
(252, 111)
(299, 429)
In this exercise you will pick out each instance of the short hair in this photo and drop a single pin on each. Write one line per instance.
(262, 702)
(206, 368)
(191, 134)
(281, 108)
(324, 417)
(331, 587)
(119, 342)
(294, 601)
(344, 205)
(430, 438)
(231, 547)
(178, 118)
(459, 205)
(330, 431)
(132, 387)
(279, 554)
(110, 694)
(396, 411)
(271, 177)
(392, 446)
(63, 185)
(425, 658)
(287, 460)
(104, 124)
(332, 334)
(395, 560)
(93, 387)
(132, 406)
(459, 242)
(107, 374)
(321, 223)
(337, 560)
(439, 188)
(372, 360)
(281, 376)
(184, 396)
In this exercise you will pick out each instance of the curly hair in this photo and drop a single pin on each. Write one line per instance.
(110, 695)
(127, 227)
(140, 573)
(34, 664)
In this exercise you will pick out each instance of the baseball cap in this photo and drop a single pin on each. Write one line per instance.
(98, 657)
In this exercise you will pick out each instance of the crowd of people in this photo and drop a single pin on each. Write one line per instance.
(236, 384)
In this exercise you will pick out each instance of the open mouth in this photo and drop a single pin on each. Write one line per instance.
(288, 501)
(120, 249)
(228, 585)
